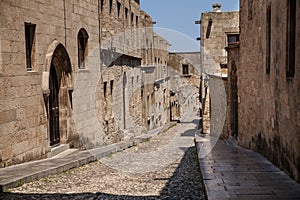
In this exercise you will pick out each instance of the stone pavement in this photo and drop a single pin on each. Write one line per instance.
(163, 167)
(18, 174)
(232, 172)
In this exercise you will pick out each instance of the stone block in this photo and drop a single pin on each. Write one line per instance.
(6, 153)
(8, 116)
(19, 148)
(5, 46)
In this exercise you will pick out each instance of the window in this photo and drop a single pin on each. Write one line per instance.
(111, 86)
(104, 88)
(110, 5)
(137, 21)
(185, 69)
(250, 9)
(268, 40)
(233, 38)
(126, 13)
(82, 39)
(208, 28)
(30, 42)
(291, 38)
(119, 8)
(102, 4)
(132, 81)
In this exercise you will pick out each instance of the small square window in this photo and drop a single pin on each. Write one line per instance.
(185, 69)
(233, 39)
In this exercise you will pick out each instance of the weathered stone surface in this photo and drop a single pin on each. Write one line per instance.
(216, 26)
(86, 118)
(232, 172)
(180, 179)
(269, 102)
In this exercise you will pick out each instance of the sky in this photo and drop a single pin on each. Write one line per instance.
(176, 19)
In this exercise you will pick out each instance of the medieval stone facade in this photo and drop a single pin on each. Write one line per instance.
(218, 30)
(268, 79)
(75, 72)
(185, 73)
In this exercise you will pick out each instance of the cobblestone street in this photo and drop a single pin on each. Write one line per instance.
(164, 167)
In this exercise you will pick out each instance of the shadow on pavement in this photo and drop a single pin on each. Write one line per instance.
(189, 133)
(184, 184)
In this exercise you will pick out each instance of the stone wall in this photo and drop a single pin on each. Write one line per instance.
(269, 107)
(232, 90)
(215, 26)
(185, 82)
(87, 117)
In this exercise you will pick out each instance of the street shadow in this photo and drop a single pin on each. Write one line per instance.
(189, 133)
(185, 183)
(195, 121)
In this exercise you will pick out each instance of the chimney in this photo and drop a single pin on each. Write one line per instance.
(216, 7)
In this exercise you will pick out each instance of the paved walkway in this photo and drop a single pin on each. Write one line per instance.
(165, 166)
(18, 174)
(232, 172)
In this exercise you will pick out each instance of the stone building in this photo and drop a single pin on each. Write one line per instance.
(218, 30)
(70, 73)
(268, 81)
(185, 73)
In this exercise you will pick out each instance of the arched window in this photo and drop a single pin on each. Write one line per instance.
(82, 40)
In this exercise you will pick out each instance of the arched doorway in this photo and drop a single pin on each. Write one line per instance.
(60, 96)
(53, 107)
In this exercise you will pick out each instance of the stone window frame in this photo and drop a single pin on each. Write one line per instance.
(82, 48)
(291, 38)
(30, 36)
(233, 35)
(185, 69)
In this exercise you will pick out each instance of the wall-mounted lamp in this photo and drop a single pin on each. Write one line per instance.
(198, 22)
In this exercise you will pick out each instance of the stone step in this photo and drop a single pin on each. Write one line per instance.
(66, 153)
(57, 150)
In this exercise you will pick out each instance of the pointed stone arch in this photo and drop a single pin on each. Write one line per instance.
(57, 87)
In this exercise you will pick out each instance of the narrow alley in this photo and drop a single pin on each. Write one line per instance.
(136, 99)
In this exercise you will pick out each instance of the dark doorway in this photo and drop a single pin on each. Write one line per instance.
(54, 107)
(234, 101)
